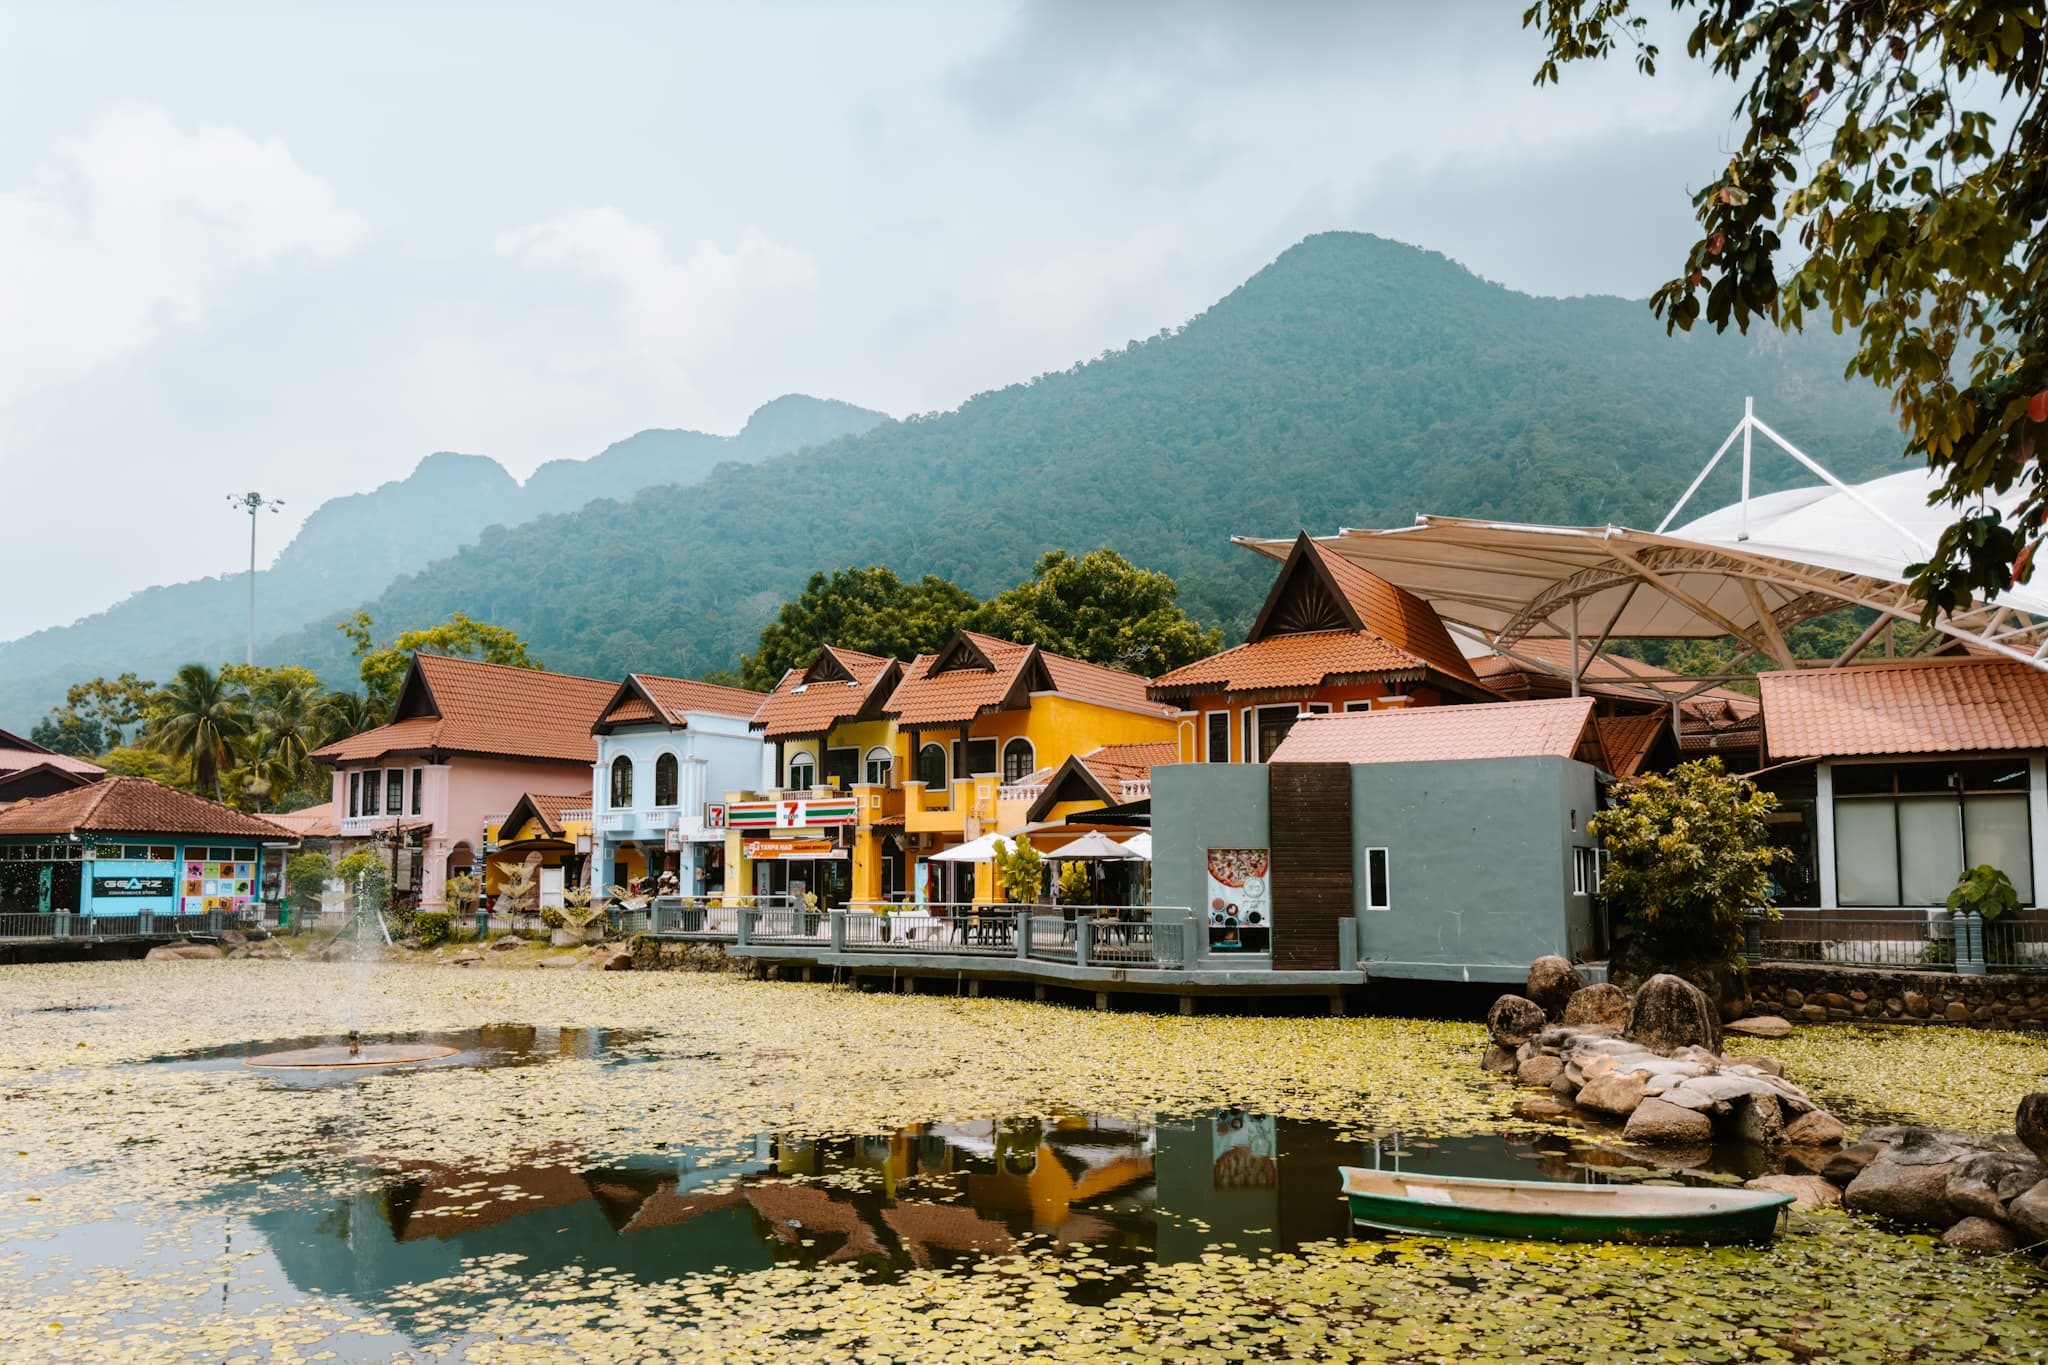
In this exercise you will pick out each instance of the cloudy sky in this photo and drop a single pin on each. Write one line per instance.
(297, 248)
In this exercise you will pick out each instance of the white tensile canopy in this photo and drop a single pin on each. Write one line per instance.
(1140, 844)
(1751, 570)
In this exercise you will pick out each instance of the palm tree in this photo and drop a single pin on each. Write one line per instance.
(351, 713)
(289, 726)
(196, 718)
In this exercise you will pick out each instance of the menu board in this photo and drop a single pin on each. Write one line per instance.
(218, 886)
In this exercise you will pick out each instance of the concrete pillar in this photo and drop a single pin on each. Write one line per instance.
(1038, 991)
(1824, 836)
(434, 873)
(974, 987)
(1102, 1000)
(1336, 1004)
(1187, 1005)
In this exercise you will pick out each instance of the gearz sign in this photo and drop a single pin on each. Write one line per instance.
(131, 886)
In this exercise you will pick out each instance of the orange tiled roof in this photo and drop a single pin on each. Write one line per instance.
(1396, 615)
(546, 807)
(314, 822)
(18, 754)
(1114, 763)
(645, 697)
(1930, 706)
(977, 673)
(132, 805)
(1626, 741)
(1323, 659)
(1514, 729)
(839, 686)
(461, 706)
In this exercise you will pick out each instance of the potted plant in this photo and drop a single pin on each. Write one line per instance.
(1988, 893)
(582, 920)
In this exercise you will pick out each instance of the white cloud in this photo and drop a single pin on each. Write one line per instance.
(135, 226)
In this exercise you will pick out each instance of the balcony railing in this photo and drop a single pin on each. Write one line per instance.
(577, 817)
(1932, 940)
(14, 925)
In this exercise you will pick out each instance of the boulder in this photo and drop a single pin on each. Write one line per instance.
(562, 963)
(1704, 1092)
(1552, 983)
(1760, 1026)
(1514, 1020)
(1816, 1128)
(1981, 1234)
(1602, 1006)
(233, 938)
(1760, 1120)
(1617, 1093)
(1984, 1184)
(1540, 1070)
(1754, 1066)
(2031, 1123)
(1913, 1145)
(466, 956)
(620, 961)
(1845, 1165)
(1544, 1109)
(1669, 1013)
(1495, 1058)
(1658, 1122)
(182, 952)
(505, 944)
(1914, 1195)
(2029, 1213)
(1807, 1191)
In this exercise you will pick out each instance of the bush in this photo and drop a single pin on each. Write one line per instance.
(434, 927)
(1986, 891)
(307, 874)
(1020, 871)
(1076, 888)
(551, 917)
(1689, 854)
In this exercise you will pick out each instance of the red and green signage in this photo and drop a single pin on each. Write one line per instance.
(800, 814)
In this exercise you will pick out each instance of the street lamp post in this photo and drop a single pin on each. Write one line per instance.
(253, 503)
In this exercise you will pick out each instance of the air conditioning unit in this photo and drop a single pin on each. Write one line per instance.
(921, 839)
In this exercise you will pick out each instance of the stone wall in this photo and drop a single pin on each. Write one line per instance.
(1821, 995)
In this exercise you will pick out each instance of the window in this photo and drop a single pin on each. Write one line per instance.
(931, 766)
(1270, 726)
(803, 772)
(370, 790)
(1376, 897)
(979, 758)
(1217, 724)
(394, 790)
(1317, 708)
(1365, 705)
(665, 783)
(419, 779)
(355, 793)
(1904, 833)
(842, 767)
(622, 782)
(1019, 761)
(1585, 871)
(879, 762)
(135, 853)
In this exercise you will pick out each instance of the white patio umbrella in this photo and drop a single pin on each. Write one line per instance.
(1093, 844)
(1141, 845)
(973, 851)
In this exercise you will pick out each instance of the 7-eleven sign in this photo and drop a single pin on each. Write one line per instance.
(792, 814)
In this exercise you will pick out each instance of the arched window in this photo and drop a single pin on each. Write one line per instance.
(931, 765)
(1019, 760)
(879, 762)
(622, 782)
(803, 772)
(665, 780)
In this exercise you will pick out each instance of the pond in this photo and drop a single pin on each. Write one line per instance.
(676, 1166)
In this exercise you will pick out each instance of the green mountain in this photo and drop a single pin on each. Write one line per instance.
(352, 546)
(1354, 381)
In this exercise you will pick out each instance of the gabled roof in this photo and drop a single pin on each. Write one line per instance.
(10, 740)
(18, 754)
(1921, 706)
(840, 685)
(1558, 728)
(647, 698)
(1627, 742)
(313, 822)
(1327, 622)
(976, 673)
(46, 774)
(1098, 775)
(133, 805)
(462, 706)
(545, 807)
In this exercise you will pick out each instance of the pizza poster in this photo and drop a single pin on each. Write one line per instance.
(1238, 896)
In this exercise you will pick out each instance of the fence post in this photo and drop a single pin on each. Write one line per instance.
(838, 931)
(1753, 935)
(61, 928)
(1970, 943)
(742, 921)
(1084, 941)
(1024, 919)
(145, 924)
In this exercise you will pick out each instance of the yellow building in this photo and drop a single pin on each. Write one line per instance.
(556, 827)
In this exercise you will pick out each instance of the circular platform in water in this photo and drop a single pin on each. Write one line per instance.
(339, 1058)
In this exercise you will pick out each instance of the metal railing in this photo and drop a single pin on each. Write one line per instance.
(782, 921)
(1907, 939)
(2015, 945)
(17, 925)
(689, 915)
(951, 928)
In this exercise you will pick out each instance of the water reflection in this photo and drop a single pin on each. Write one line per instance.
(491, 1046)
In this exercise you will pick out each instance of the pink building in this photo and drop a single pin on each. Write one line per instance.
(465, 742)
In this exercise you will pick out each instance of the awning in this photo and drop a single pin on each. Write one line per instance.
(973, 851)
(1140, 844)
(1092, 845)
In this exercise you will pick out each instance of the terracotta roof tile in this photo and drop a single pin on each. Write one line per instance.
(679, 696)
(1320, 659)
(1115, 763)
(1396, 615)
(935, 691)
(1627, 740)
(1414, 734)
(314, 822)
(466, 707)
(547, 807)
(17, 755)
(132, 805)
(803, 705)
(1933, 706)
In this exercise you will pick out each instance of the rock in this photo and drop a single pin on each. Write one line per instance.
(1544, 1109)
(1514, 1020)
(1760, 1120)
(1495, 1058)
(2029, 1213)
(1913, 1145)
(1760, 1026)
(1957, 1011)
(1563, 1086)
(1914, 1195)
(1916, 1004)
(1815, 1129)
(1807, 1191)
(505, 944)
(1602, 1006)
(1845, 1165)
(1669, 1013)
(182, 952)
(563, 962)
(621, 961)
(1983, 1184)
(1760, 1066)
(1981, 1234)
(1540, 1070)
(2031, 1123)
(1552, 983)
(1704, 1092)
(233, 938)
(466, 956)
(1617, 1093)
(1658, 1122)
(1814, 1014)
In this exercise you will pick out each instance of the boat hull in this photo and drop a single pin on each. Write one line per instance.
(1749, 1222)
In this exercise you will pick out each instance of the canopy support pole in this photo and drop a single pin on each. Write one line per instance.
(1748, 425)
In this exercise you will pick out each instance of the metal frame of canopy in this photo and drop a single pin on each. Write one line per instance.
(1749, 571)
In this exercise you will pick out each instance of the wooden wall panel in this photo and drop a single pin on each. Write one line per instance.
(1310, 829)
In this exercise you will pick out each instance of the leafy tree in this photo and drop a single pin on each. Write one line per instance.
(871, 610)
(1901, 143)
(197, 718)
(65, 732)
(1102, 608)
(1020, 870)
(113, 707)
(307, 875)
(1689, 853)
(351, 713)
(134, 761)
(383, 670)
(366, 877)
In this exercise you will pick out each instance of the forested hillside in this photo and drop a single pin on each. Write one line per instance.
(1354, 381)
(351, 547)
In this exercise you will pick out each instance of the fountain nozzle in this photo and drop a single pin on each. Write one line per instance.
(355, 1043)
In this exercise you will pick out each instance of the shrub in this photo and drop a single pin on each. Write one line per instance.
(367, 879)
(1689, 854)
(1075, 886)
(551, 917)
(1020, 871)
(307, 874)
(1986, 891)
(434, 927)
